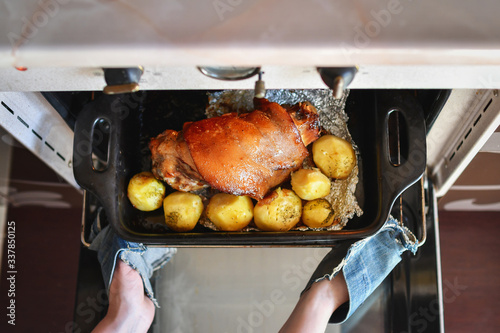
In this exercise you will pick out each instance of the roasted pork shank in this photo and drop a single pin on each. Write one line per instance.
(246, 154)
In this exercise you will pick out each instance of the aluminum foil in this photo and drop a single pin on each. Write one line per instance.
(333, 120)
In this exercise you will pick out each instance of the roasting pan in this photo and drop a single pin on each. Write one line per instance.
(115, 127)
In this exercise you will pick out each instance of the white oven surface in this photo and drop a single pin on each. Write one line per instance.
(320, 32)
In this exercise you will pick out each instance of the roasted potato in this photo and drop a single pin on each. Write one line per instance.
(230, 212)
(318, 214)
(145, 192)
(310, 184)
(334, 156)
(279, 211)
(182, 210)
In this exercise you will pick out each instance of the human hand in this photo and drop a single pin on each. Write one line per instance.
(130, 310)
(316, 305)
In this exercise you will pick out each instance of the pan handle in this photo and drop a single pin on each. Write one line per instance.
(86, 175)
(121, 130)
(408, 168)
(88, 135)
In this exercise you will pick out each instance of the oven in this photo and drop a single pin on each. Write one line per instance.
(55, 57)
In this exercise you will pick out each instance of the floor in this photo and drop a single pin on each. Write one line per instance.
(46, 213)
(47, 248)
(471, 271)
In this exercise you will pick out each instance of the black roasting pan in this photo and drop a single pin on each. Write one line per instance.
(124, 123)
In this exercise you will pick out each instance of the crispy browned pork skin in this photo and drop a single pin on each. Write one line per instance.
(246, 154)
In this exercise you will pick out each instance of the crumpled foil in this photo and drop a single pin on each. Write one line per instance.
(333, 120)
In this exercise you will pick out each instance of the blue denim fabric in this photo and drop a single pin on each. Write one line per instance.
(368, 262)
(143, 259)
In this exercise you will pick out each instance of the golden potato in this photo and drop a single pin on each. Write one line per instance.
(334, 156)
(145, 192)
(310, 184)
(318, 214)
(230, 212)
(279, 211)
(182, 210)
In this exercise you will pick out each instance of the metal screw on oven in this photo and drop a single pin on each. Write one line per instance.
(337, 78)
(122, 80)
(260, 87)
